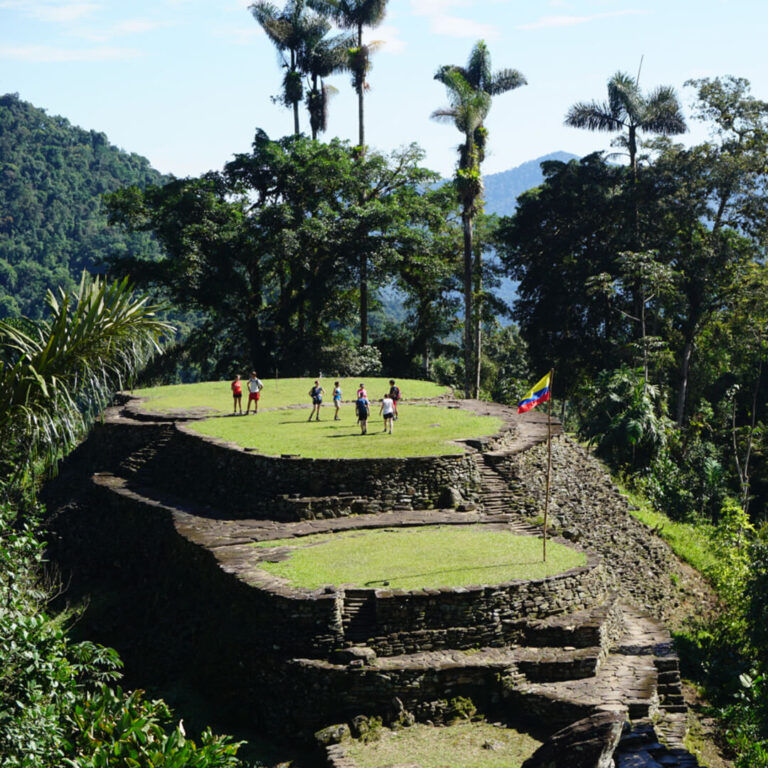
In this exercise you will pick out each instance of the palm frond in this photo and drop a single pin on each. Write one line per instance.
(56, 378)
(594, 116)
(505, 80)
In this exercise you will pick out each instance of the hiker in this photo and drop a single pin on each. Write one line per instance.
(363, 411)
(394, 394)
(336, 400)
(387, 410)
(316, 393)
(237, 395)
(254, 393)
(361, 391)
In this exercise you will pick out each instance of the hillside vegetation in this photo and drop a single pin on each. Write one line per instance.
(52, 220)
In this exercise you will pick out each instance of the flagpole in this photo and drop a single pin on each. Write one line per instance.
(549, 459)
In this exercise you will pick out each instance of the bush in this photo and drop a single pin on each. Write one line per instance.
(347, 359)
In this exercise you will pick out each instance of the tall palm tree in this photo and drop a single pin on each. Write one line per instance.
(356, 14)
(322, 57)
(470, 91)
(628, 109)
(289, 30)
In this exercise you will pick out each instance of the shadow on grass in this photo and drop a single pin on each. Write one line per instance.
(401, 577)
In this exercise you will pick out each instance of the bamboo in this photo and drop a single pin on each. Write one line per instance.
(549, 459)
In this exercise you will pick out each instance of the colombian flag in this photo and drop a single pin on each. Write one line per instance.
(538, 393)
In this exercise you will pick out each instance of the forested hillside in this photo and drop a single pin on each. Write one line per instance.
(52, 219)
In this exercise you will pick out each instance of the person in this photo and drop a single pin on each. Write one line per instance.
(363, 411)
(336, 400)
(237, 395)
(394, 393)
(316, 393)
(254, 393)
(361, 391)
(387, 410)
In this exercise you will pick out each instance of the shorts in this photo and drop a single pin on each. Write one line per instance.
(388, 416)
(237, 395)
(317, 401)
(254, 396)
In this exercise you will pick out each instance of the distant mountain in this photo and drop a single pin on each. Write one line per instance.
(502, 189)
(52, 218)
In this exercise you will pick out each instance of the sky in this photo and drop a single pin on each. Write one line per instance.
(186, 83)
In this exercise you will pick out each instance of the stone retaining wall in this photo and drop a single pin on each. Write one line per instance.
(211, 471)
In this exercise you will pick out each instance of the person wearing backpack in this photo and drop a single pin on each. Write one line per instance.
(394, 395)
(363, 411)
(316, 393)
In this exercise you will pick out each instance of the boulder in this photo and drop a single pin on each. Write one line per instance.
(587, 743)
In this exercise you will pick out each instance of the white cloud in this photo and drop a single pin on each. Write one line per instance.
(47, 54)
(58, 11)
(127, 27)
(442, 23)
(239, 35)
(570, 21)
(388, 35)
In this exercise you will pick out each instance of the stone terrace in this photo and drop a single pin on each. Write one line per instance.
(144, 509)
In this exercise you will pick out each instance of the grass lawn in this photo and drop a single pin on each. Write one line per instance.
(421, 430)
(465, 745)
(415, 558)
(691, 542)
(217, 395)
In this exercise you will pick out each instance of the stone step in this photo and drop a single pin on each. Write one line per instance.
(596, 626)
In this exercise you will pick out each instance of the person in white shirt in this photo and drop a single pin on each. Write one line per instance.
(387, 410)
(254, 393)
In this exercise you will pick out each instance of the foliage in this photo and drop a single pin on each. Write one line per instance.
(270, 249)
(351, 360)
(53, 224)
(56, 376)
(623, 418)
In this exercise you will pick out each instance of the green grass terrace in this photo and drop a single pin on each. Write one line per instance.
(415, 558)
(277, 393)
(421, 430)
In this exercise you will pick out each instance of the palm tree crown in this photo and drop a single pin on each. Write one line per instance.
(628, 109)
(292, 31)
(355, 14)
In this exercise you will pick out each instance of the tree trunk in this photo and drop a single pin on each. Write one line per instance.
(360, 109)
(478, 270)
(363, 298)
(467, 224)
(682, 392)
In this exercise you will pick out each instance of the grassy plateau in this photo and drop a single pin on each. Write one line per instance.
(465, 745)
(416, 558)
(217, 395)
(421, 430)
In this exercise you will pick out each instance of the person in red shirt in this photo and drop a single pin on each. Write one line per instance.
(237, 395)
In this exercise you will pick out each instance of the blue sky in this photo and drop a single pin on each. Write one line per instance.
(186, 82)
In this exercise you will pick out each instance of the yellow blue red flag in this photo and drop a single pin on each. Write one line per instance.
(538, 393)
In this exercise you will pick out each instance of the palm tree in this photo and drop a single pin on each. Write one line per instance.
(470, 91)
(322, 57)
(57, 373)
(289, 30)
(355, 14)
(627, 109)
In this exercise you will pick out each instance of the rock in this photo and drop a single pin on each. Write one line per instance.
(333, 734)
(450, 498)
(587, 743)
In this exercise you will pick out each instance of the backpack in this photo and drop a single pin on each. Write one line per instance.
(394, 393)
